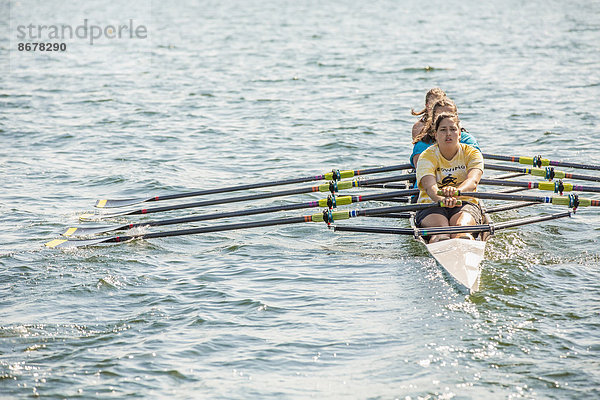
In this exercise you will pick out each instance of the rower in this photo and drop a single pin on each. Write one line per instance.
(424, 138)
(430, 98)
(448, 166)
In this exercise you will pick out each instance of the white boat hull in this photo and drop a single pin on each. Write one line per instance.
(461, 258)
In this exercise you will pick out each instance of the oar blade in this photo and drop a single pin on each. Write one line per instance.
(69, 244)
(93, 217)
(107, 203)
(91, 230)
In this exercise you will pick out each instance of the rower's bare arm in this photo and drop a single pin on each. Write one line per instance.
(473, 178)
(415, 159)
(429, 183)
(416, 129)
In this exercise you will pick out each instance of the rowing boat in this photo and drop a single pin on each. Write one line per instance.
(461, 258)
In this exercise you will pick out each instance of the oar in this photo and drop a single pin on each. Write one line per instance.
(548, 173)
(327, 216)
(506, 207)
(453, 229)
(404, 215)
(327, 187)
(538, 161)
(572, 201)
(330, 201)
(335, 175)
(556, 187)
(390, 186)
(396, 186)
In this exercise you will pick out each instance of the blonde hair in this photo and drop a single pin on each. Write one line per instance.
(427, 131)
(431, 95)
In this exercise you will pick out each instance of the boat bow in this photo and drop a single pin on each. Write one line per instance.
(461, 258)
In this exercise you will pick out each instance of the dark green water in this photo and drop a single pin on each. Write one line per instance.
(228, 92)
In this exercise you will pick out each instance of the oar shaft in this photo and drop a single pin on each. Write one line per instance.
(417, 231)
(334, 187)
(217, 228)
(540, 162)
(556, 200)
(68, 243)
(337, 175)
(235, 188)
(369, 212)
(557, 186)
(525, 221)
(388, 195)
(510, 206)
(340, 201)
(547, 173)
(231, 214)
(335, 201)
(503, 196)
(404, 215)
(327, 176)
(376, 170)
(453, 229)
(390, 186)
(83, 230)
(259, 196)
(328, 216)
(369, 229)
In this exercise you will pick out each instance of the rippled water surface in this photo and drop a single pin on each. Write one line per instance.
(223, 93)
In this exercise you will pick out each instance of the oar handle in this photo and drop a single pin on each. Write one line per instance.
(457, 193)
(441, 203)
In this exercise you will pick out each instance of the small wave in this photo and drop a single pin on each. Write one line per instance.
(110, 282)
(203, 94)
(427, 68)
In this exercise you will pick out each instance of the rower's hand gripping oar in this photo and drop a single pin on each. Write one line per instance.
(334, 175)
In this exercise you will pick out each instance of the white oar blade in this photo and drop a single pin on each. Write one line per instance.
(461, 258)
(95, 217)
(119, 203)
(90, 230)
(66, 244)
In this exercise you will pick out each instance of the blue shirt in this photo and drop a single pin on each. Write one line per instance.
(421, 146)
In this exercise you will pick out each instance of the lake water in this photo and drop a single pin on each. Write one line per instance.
(223, 93)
